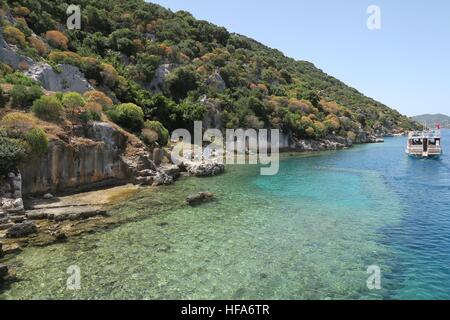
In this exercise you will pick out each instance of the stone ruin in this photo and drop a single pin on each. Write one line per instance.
(11, 203)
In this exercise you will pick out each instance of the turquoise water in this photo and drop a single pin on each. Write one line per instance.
(309, 232)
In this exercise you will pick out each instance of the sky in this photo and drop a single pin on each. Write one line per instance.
(404, 65)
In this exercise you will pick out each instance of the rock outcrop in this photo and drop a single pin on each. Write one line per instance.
(10, 54)
(216, 82)
(69, 78)
(205, 168)
(90, 157)
(158, 82)
(11, 203)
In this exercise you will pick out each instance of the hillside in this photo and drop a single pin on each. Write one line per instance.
(173, 69)
(432, 119)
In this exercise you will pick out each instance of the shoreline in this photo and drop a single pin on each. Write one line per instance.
(75, 213)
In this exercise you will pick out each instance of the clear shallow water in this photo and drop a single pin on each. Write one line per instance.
(308, 233)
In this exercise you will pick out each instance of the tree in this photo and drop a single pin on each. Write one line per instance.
(146, 66)
(122, 40)
(180, 82)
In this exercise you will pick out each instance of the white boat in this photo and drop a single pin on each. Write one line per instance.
(424, 144)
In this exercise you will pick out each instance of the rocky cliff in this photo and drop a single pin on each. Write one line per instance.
(93, 156)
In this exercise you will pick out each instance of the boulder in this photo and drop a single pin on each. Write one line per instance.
(21, 230)
(199, 198)
(172, 171)
(12, 205)
(162, 179)
(144, 181)
(203, 168)
(47, 196)
(11, 248)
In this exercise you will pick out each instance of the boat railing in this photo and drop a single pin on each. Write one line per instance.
(431, 134)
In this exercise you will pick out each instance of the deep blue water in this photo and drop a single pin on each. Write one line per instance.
(420, 241)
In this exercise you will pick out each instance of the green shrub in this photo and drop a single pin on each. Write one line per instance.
(18, 78)
(89, 115)
(65, 57)
(16, 124)
(37, 141)
(310, 132)
(14, 36)
(22, 96)
(12, 152)
(156, 126)
(127, 115)
(48, 108)
(72, 100)
(5, 69)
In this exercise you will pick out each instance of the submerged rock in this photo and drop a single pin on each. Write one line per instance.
(21, 230)
(199, 198)
(11, 248)
(59, 236)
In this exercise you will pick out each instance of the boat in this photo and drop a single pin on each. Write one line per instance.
(425, 144)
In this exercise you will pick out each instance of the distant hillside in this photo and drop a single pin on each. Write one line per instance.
(432, 119)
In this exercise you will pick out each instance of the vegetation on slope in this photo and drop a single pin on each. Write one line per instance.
(125, 45)
(431, 120)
